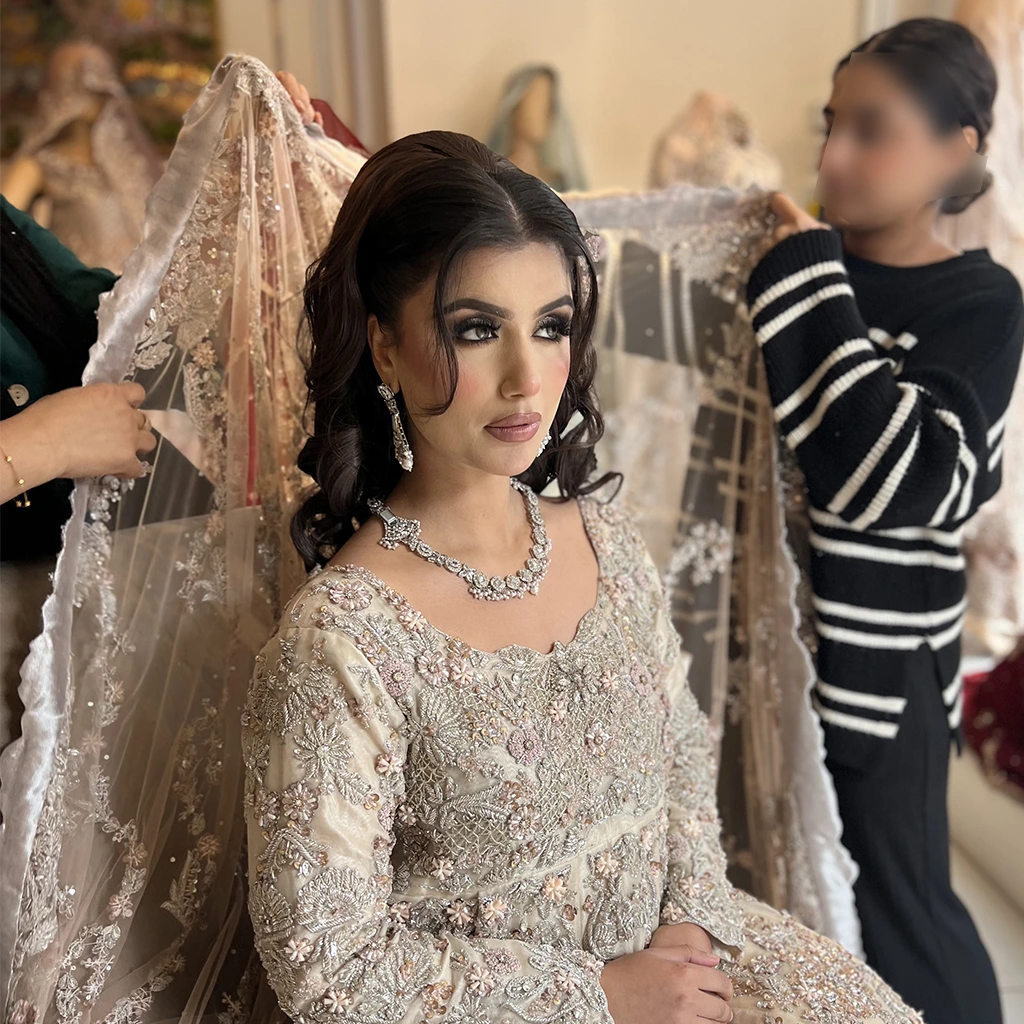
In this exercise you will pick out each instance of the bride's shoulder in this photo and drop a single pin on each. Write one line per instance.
(334, 594)
(613, 531)
(613, 519)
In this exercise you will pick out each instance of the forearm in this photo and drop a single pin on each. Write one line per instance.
(430, 976)
(33, 459)
(22, 181)
(877, 449)
(686, 933)
(697, 892)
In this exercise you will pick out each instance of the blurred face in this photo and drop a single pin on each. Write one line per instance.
(883, 158)
(510, 313)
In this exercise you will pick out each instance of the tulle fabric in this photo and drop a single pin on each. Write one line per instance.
(122, 875)
(723, 512)
(122, 872)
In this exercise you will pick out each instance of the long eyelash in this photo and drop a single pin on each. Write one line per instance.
(560, 323)
(460, 328)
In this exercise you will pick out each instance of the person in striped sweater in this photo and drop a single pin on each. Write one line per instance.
(890, 362)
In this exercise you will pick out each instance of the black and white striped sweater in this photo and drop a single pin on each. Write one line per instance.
(898, 430)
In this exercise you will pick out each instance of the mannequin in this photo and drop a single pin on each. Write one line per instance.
(531, 129)
(531, 121)
(995, 544)
(88, 156)
(711, 144)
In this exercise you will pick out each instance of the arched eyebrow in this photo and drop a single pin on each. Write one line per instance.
(503, 314)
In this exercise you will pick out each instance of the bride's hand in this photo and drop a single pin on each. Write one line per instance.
(792, 219)
(681, 935)
(671, 984)
(300, 97)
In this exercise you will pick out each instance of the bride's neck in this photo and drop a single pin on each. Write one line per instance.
(463, 508)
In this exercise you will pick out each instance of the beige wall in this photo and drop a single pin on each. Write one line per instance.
(306, 37)
(627, 65)
(627, 68)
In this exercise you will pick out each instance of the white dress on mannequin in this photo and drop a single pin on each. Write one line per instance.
(995, 221)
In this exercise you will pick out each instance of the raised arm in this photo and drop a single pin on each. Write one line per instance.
(881, 448)
(325, 752)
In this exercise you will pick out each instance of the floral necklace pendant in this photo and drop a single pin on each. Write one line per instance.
(481, 586)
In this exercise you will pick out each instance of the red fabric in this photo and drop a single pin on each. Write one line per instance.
(335, 129)
(994, 719)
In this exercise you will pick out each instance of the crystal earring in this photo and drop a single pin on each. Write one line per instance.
(403, 450)
(544, 444)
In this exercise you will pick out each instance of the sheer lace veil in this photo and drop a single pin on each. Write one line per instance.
(689, 424)
(121, 876)
(121, 881)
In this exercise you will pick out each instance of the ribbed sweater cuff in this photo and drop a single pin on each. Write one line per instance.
(793, 254)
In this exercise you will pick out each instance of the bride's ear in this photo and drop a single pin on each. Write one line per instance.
(381, 347)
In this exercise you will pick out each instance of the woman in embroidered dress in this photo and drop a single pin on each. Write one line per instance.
(482, 789)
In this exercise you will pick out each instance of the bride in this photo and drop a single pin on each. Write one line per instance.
(478, 786)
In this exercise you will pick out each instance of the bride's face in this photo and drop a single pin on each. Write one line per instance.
(509, 313)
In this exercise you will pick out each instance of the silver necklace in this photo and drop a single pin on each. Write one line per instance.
(486, 588)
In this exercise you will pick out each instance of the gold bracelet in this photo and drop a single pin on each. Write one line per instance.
(24, 501)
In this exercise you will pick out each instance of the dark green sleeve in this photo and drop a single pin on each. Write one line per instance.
(82, 286)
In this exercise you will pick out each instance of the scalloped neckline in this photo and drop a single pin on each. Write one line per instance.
(583, 627)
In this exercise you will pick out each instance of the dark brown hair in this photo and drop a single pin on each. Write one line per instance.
(949, 71)
(419, 207)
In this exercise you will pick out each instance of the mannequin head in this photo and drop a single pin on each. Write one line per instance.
(711, 144)
(81, 71)
(532, 130)
(531, 119)
(713, 114)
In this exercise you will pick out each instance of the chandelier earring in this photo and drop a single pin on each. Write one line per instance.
(544, 444)
(403, 450)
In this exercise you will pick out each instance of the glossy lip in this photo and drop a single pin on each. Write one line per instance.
(514, 429)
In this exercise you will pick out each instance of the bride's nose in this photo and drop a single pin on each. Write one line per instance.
(521, 371)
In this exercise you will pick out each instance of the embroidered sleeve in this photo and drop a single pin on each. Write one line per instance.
(325, 755)
(696, 887)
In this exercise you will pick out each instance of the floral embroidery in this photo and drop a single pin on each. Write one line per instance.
(705, 551)
(412, 797)
(353, 597)
(71, 940)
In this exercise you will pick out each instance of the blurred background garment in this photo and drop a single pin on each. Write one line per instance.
(994, 721)
(88, 157)
(712, 144)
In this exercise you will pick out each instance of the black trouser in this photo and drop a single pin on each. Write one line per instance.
(917, 934)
